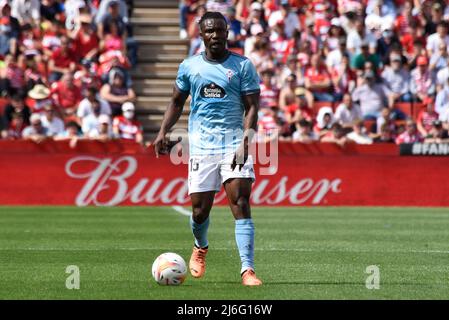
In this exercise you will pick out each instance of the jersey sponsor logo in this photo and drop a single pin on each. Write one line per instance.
(212, 90)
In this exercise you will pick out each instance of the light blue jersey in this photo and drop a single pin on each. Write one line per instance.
(216, 108)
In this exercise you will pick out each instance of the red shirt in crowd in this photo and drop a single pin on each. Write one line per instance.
(63, 60)
(426, 119)
(269, 96)
(84, 44)
(128, 129)
(405, 137)
(316, 75)
(64, 96)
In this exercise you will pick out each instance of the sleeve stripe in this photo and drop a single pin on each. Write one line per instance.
(248, 92)
(181, 90)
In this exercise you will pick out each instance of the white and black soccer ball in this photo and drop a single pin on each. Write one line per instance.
(169, 269)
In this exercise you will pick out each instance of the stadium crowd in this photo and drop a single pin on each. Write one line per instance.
(366, 71)
(64, 70)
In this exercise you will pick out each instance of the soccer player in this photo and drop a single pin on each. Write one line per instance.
(224, 87)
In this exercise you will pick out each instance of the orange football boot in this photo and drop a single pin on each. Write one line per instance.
(197, 264)
(249, 278)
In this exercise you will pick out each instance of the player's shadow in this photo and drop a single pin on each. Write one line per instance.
(326, 283)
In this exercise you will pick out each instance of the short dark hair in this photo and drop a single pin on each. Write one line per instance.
(212, 15)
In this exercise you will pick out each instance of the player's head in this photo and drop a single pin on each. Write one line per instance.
(214, 31)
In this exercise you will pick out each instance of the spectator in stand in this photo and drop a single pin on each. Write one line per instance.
(104, 8)
(439, 60)
(385, 136)
(358, 133)
(289, 17)
(116, 93)
(442, 76)
(335, 34)
(442, 100)
(309, 36)
(279, 43)
(335, 135)
(437, 133)
(357, 36)
(347, 112)
(126, 126)
(422, 80)
(51, 10)
(90, 123)
(269, 93)
(334, 58)
(86, 42)
(196, 42)
(63, 60)
(297, 110)
(15, 128)
(72, 133)
(13, 76)
(111, 62)
(86, 105)
(318, 80)
(426, 117)
(26, 11)
(75, 8)
(405, 18)
(235, 29)
(436, 17)
(371, 96)
(324, 121)
(261, 56)
(66, 95)
(9, 30)
(397, 78)
(386, 118)
(410, 135)
(103, 131)
(218, 5)
(437, 38)
(268, 126)
(16, 105)
(359, 60)
(41, 96)
(51, 121)
(113, 16)
(386, 42)
(87, 76)
(304, 132)
(35, 131)
(343, 78)
(53, 32)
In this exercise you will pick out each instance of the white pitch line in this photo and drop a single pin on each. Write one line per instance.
(182, 211)
(231, 248)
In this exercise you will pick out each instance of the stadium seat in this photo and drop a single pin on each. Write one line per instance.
(317, 105)
(417, 107)
(3, 103)
(405, 107)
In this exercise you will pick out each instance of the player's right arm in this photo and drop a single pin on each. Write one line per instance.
(171, 116)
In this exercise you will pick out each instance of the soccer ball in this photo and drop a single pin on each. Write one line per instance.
(169, 269)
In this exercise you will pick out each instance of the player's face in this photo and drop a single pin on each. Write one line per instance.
(214, 33)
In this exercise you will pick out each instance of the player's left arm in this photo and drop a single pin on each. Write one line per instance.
(251, 104)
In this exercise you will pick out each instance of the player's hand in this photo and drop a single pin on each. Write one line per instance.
(160, 145)
(163, 145)
(240, 157)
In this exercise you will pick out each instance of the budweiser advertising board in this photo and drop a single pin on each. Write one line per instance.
(120, 173)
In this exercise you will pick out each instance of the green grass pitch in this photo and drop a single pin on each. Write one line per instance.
(301, 253)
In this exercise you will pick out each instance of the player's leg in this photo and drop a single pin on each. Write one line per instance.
(203, 181)
(238, 191)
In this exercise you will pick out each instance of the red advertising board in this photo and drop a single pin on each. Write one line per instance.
(307, 175)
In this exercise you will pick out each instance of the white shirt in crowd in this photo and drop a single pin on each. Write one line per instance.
(54, 127)
(85, 108)
(345, 116)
